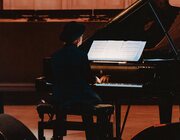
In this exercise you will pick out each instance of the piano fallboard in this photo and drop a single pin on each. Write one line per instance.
(121, 66)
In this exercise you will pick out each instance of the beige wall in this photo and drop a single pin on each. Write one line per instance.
(66, 4)
(175, 2)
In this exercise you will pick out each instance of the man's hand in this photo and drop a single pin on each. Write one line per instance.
(103, 79)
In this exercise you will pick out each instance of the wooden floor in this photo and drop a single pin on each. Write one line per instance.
(139, 118)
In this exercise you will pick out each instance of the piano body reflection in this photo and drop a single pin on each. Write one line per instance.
(157, 72)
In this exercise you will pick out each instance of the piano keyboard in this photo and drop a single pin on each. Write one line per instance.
(125, 85)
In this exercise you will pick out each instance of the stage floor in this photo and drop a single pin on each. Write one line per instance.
(140, 117)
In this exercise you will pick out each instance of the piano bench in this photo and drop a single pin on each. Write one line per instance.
(51, 118)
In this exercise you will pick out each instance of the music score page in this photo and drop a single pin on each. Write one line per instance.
(113, 50)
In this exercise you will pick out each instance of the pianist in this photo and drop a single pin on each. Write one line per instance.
(71, 70)
(71, 76)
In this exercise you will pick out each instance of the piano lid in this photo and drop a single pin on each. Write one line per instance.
(137, 23)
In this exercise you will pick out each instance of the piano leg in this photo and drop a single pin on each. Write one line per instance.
(119, 130)
(118, 119)
(165, 108)
(125, 119)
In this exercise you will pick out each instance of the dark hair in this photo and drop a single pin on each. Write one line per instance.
(72, 31)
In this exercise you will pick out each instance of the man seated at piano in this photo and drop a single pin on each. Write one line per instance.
(71, 70)
(71, 74)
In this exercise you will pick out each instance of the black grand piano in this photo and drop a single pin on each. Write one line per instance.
(157, 72)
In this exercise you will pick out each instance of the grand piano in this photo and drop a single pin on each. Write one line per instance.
(157, 72)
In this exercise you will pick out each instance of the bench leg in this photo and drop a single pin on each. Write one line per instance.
(40, 131)
(59, 129)
(89, 126)
(104, 127)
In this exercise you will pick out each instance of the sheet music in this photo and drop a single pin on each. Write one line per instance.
(113, 50)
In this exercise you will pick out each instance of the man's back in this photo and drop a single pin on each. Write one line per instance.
(70, 68)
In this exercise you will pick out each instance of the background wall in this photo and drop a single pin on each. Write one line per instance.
(1, 4)
(175, 2)
(66, 4)
(24, 45)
